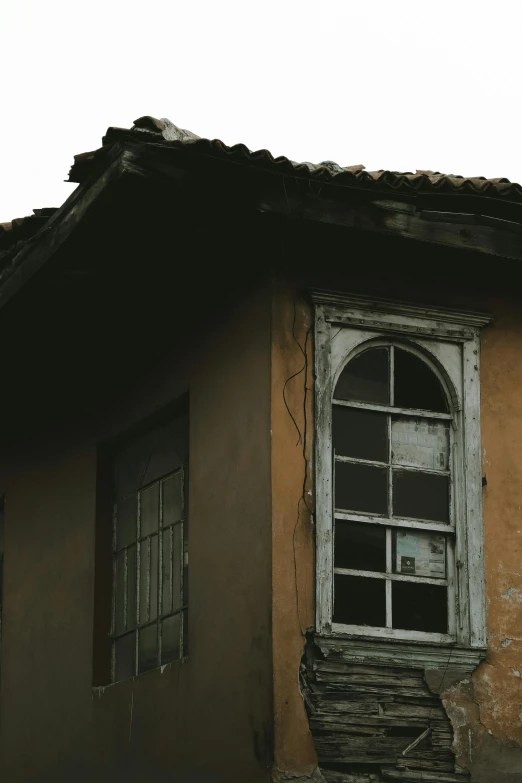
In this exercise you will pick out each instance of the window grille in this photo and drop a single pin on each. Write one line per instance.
(150, 552)
(1, 568)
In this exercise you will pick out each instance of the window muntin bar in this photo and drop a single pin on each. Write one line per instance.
(150, 563)
(414, 447)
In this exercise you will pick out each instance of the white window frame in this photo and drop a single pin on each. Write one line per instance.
(449, 340)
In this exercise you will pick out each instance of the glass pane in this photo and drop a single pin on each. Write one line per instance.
(131, 587)
(149, 510)
(358, 545)
(366, 378)
(1, 527)
(150, 456)
(418, 607)
(420, 553)
(359, 601)
(128, 469)
(166, 606)
(126, 521)
(416, 385)
(185, 571)
(125, 652)
(170, 449)
(185, 633)
(154, 566)
(172, 499)
(170, 637)
(361, 488)
(119, 625)
(176, 568)
(144, 582)
(148, 648)
(360, 434)
(420, 496)
(420, 443)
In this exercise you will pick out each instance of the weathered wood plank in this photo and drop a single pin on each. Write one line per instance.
(323, 484)
(404, 775)
(499, 240)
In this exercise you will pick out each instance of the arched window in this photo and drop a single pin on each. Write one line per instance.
(393, 506)
(398, 490)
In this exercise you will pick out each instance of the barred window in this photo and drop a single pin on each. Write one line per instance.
(1, 569)
(150, 551)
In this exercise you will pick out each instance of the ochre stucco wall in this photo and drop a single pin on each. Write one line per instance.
(485, 708)
(209, 719)
(292, 531)
(490, 744)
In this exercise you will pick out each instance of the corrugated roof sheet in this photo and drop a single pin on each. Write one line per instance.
(163, 131)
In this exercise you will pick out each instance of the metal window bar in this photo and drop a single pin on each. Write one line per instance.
(391, 521)
(135, 624)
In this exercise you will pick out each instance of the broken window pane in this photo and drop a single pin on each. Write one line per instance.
(1, 560)
(128, 469)
(119, 625)
(154, 566)
(148, 498)
(126, 521)
(361, 488)
(359, 545)
(166, 606)
(171, 488)
(359, 600)
(170, 638)
(149, 510)
(185, 632)
(360, 434)
(421, 443)
(170, 450)
(148, 648)
(176, 567)
(150, 456)
(366, 378)
(124, 652)
(420, 496)
(144, 581)
(419, 607)
(131, 587)
(416, 385)
(420, 553)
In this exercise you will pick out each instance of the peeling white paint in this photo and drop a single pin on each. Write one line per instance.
(516, 672)
(506, 642)
(509, 592)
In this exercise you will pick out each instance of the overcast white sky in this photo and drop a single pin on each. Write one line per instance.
(395, 84)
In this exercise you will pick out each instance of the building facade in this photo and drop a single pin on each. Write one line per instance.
(260, 472)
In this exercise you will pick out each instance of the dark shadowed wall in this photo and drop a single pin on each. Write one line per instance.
(209, 719)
